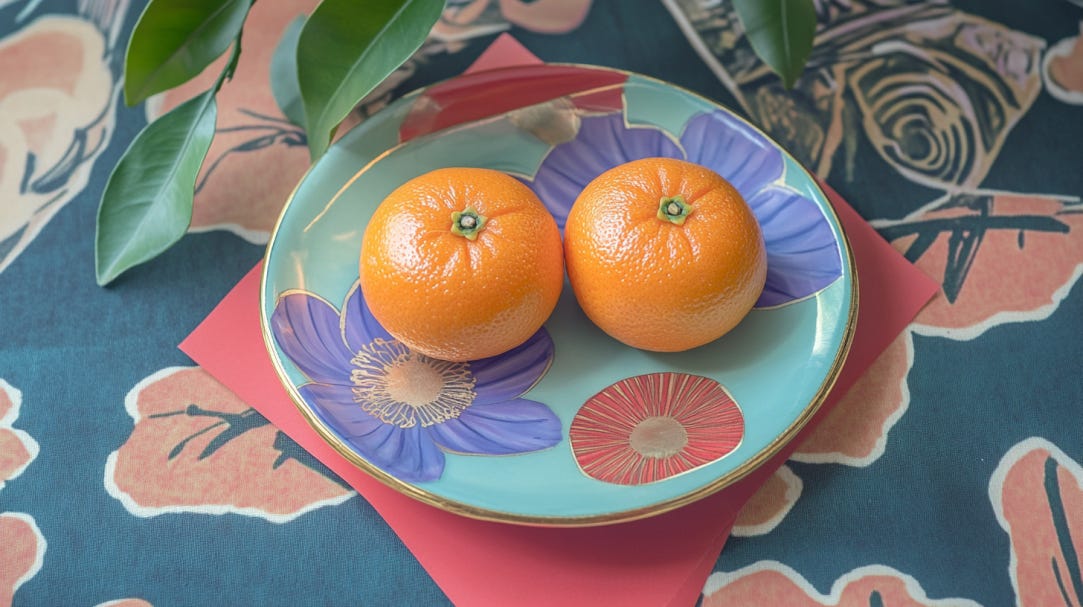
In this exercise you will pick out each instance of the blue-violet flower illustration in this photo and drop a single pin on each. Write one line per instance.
(802, 253)
(403, 410)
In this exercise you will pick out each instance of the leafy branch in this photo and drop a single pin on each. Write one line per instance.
(781, 32)
(325, 66)
(322, 68)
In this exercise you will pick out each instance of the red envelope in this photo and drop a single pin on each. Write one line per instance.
(663, 560)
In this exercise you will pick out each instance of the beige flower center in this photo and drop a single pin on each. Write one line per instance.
(414, 382)
(401, 387)
(658, 437)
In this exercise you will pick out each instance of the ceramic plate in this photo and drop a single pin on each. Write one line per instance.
(572, 427)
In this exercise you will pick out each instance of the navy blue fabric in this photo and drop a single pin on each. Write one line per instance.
(75, 351)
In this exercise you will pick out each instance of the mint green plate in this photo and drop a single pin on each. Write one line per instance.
(573, 428)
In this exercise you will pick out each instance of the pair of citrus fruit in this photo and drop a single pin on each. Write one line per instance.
(463, 263)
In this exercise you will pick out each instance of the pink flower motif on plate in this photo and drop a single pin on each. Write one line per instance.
(17, 448)
(1037, 494)
(772, 583)
(196, 447)
(651, 427)
(21, 552)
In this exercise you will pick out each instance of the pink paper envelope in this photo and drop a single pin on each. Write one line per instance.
(663, 560)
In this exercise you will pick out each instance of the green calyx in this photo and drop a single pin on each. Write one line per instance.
(467, 223)
(674, 209)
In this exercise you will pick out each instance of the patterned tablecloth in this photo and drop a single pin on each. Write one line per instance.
(950, 474)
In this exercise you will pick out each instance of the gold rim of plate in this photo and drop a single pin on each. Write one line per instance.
(622, 516)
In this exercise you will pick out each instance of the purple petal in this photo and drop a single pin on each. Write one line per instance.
(406, 453)
(734, 150)
(516, 426)
(359, 325)
(603, 142)
(307, 330)
(802, 253)
(336, 407)
(509, 375)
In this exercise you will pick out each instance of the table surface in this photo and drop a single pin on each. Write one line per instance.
(949, 474)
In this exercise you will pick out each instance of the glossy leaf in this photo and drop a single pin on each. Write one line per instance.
(174, 41)
(147, 202)
(284, 85)
(347, 48)
(781, 32)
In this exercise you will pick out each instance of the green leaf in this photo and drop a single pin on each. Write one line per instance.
(346, 49)
(284, 85)
(174, 41)
(781, 33)
(147, 202)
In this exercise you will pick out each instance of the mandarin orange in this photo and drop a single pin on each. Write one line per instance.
(461, 263)
(664, 255)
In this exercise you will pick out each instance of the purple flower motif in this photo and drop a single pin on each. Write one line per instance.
(802, 253)
(401, 409)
